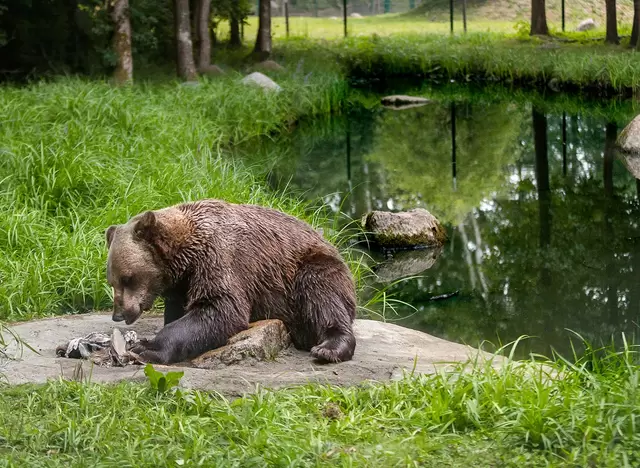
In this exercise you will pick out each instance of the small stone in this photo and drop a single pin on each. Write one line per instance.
(355, 15)
(264, 340)
(332, 411)
(586, 25)
(263, 81)
(413, 228)
(270, 65)
(190, 84)
(212, 70)
(554, 84)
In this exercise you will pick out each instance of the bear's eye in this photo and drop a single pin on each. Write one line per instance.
(126, 280)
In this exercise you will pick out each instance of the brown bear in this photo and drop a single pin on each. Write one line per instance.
(218, 267)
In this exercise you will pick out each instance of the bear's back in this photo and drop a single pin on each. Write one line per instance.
(256, 230)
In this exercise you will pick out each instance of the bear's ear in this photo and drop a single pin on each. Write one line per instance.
(111, 230)
(146, 227)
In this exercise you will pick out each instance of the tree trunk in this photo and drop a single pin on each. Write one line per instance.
(122, 41)
(612, 22)
(263, 42)
(234, 26)
(635, 31)
(186, 65)
(538, 18)
(204, 37)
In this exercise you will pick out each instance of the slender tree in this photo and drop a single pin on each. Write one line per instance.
(122, 41)
(539, 18)
(204, 35)
(263, 41)
(234, 25)
(186, 64)
(635, 31)
(612, 22)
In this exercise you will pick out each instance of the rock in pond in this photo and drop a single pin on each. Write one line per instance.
(399, 100)
(628, 145)
(263, 81)
(407, 229)
(406, 263)
(384, 352)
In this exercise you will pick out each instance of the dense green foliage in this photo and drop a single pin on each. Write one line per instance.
(56, 36)
(581, 414)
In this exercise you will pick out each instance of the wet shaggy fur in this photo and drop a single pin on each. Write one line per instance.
(219, 266)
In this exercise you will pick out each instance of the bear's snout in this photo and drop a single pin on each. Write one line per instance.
(117, 317)
(127, 311)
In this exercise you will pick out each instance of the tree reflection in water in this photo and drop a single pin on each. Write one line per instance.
(542, 217)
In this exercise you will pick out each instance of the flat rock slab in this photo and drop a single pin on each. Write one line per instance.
(384, 351)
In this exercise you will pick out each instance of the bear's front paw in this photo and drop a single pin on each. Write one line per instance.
(152, 357)
(140, 347)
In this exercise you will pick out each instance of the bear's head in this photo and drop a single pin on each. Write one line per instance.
(136, 265)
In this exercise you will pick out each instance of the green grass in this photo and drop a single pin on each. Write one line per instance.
(77, 156)
(582, 413)
(432, 17)
(478, 57)
(384, 25)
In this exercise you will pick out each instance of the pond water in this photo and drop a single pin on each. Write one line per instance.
(542, 215)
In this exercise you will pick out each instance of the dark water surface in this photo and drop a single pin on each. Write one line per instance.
(542, 215)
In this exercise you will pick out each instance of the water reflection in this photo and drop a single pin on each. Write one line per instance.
(541, 214)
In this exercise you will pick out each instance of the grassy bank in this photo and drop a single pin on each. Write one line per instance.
(481, 57)
(514, 416)
(78, 156)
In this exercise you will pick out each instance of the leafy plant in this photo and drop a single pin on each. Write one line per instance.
(162, 382)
